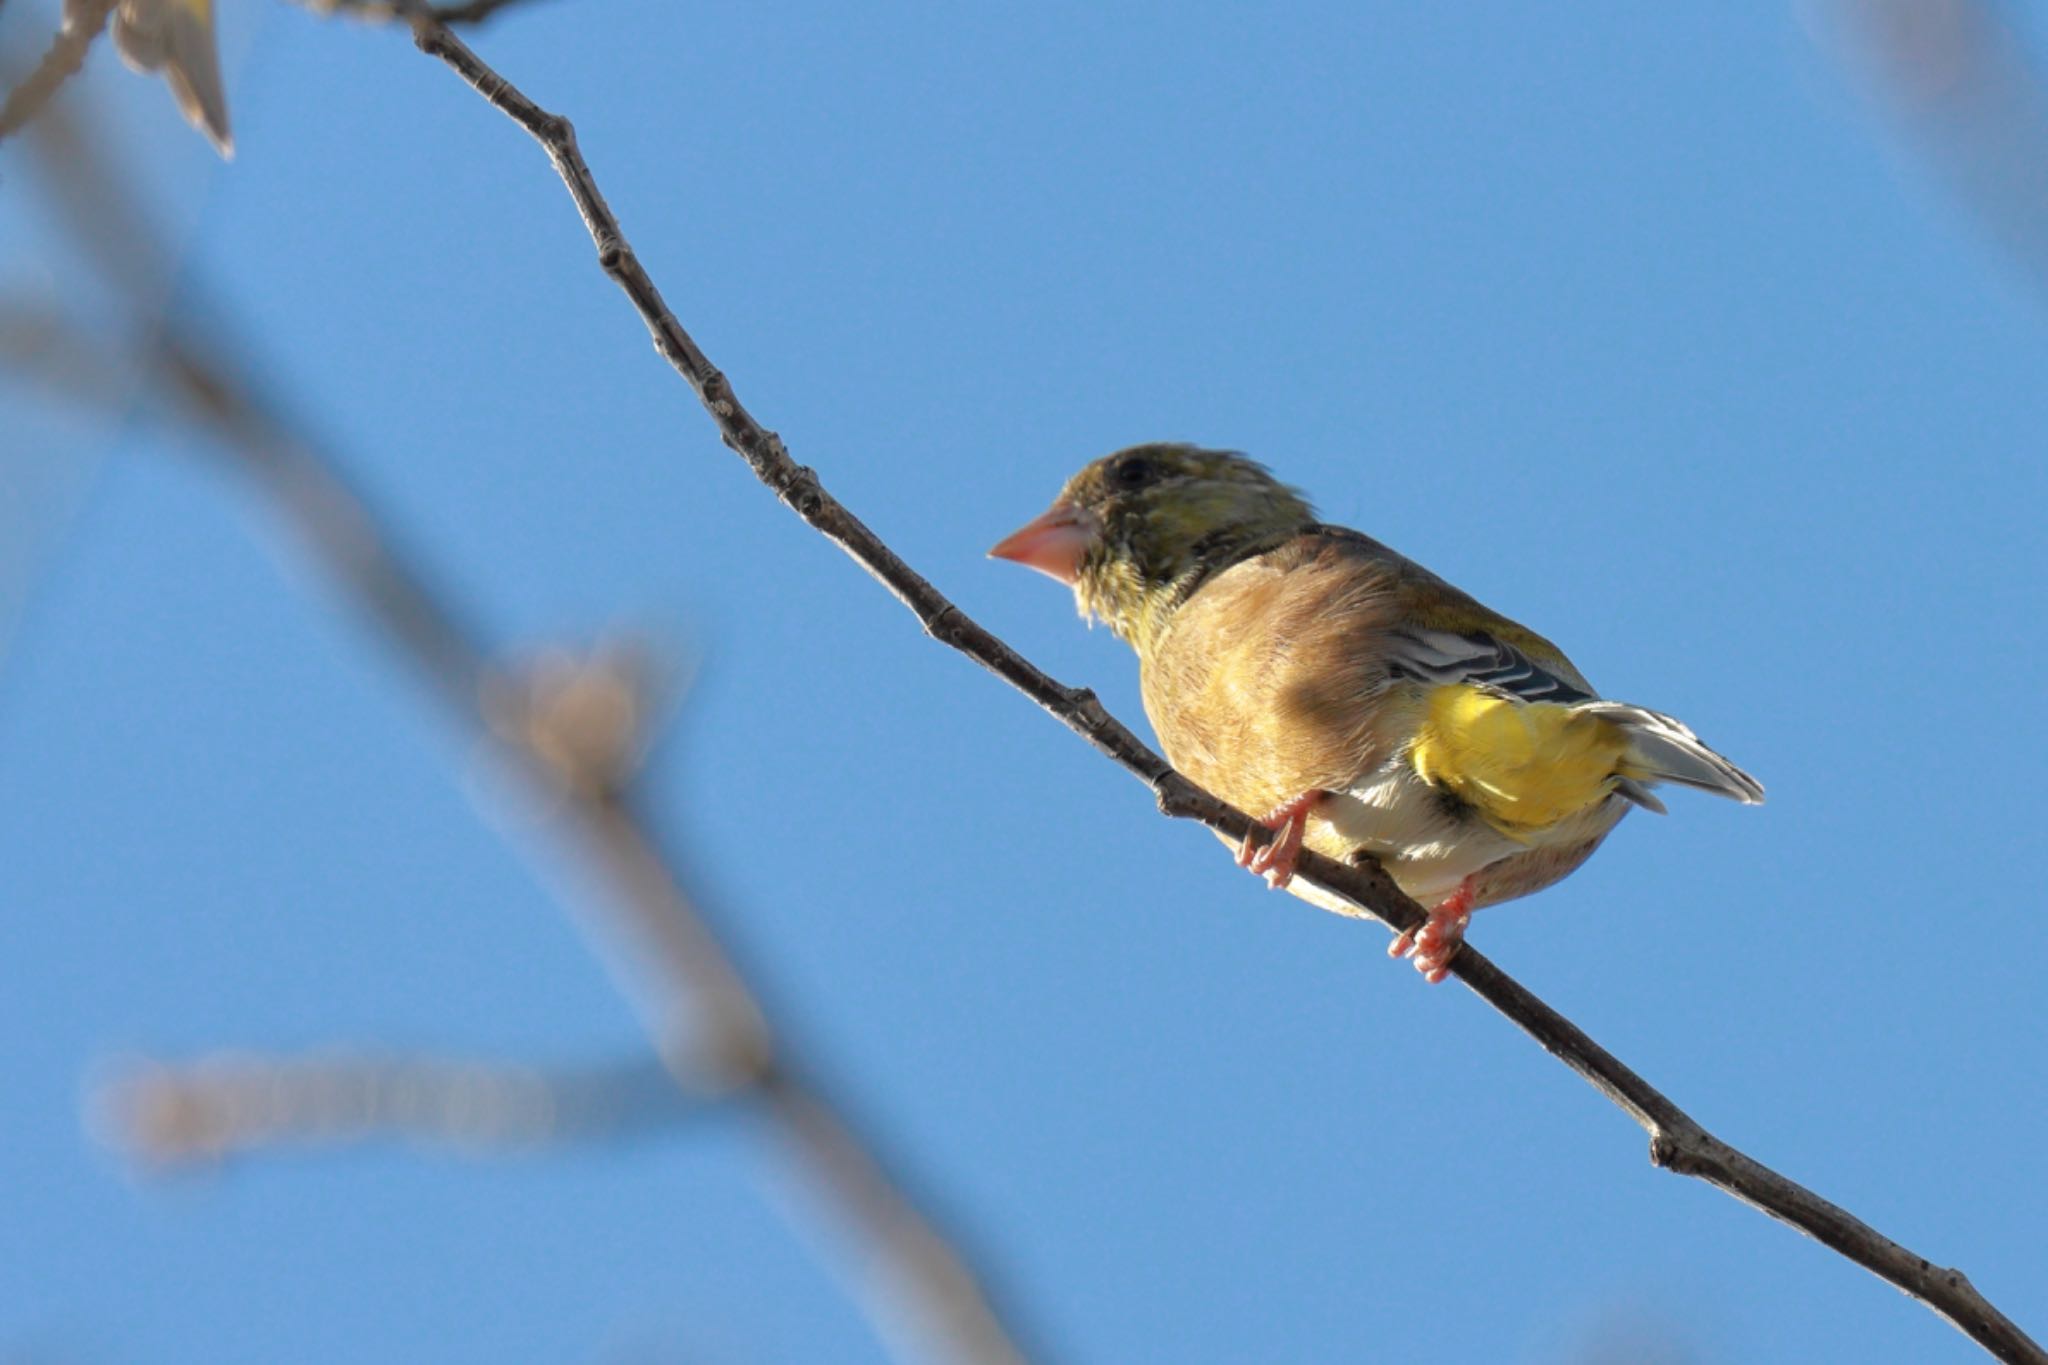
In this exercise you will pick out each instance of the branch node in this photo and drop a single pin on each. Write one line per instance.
(429, 37)
(1082, 702)
(944, 625)
(554, 129)
(717, 395)
(801, 490)
(1178, 798)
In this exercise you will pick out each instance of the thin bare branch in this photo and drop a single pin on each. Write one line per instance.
(205, 1111)
(1677, 1142)
(84, 21)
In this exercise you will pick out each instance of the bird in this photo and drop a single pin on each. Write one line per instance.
(1351, 700)
(177, 38)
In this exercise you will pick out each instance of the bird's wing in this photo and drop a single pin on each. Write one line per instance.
(1442, 635)
(1480, 658)
(1503, 722)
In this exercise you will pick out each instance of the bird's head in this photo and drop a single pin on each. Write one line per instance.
(1136, 531)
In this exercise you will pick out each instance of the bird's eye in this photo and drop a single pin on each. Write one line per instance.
(1134, 472)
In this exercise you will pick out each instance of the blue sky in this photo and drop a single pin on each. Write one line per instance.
(1630, 320)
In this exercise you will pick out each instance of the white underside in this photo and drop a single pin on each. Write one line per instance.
(1424, 844)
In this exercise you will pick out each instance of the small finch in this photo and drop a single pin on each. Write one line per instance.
(1365, 707)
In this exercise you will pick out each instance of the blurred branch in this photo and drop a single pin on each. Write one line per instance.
(1961, 84)
(575, 729)
(1677, 1142)
(205, 1111)
(383, 11)
(37, 343)
(101, 214)
(587, 718)
(559, 724)
(84, 20)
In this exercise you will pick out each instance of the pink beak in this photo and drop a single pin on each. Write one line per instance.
(1054, 544)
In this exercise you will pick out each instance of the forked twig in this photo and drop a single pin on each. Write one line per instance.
(1677, 1142)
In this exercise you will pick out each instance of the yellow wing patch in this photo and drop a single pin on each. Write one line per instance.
(1525, 766)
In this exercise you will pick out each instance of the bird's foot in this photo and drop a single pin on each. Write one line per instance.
(1274, 860)
(1439, 937)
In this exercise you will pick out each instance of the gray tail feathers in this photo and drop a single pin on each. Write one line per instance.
(1665, 750)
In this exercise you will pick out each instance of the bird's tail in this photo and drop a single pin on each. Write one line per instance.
(1662, 749)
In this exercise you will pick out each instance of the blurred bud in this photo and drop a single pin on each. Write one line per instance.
(587, 718)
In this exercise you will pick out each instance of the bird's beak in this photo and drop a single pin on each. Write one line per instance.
(1054, 544)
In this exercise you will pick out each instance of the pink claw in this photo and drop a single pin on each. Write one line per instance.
(1275, 859)
(1438, 939)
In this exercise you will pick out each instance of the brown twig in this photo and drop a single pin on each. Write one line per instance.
(83, 22)
(1677, 1142)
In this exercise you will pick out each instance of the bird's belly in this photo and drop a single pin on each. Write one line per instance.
(1425, 850)
(1429, 842)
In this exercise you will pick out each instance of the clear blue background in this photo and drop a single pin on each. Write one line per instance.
(1627, 318)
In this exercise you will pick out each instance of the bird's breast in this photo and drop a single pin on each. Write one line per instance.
(1270, 680)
